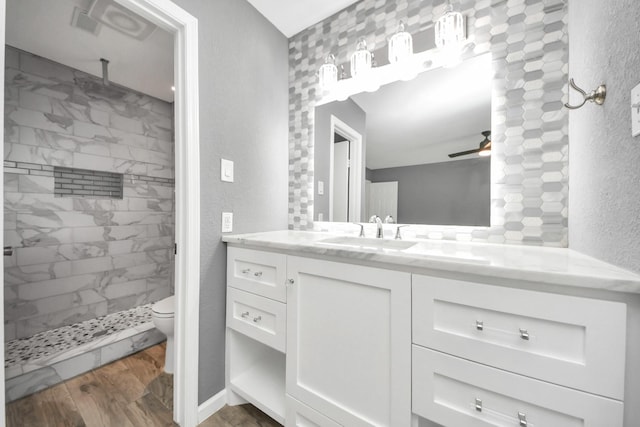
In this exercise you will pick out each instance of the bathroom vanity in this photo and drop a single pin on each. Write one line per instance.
(334, 330)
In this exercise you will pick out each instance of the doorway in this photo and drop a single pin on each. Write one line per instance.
(346, 173)
(183, 26)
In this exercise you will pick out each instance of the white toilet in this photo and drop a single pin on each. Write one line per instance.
(162, 314)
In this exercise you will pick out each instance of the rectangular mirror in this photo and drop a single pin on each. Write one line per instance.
(414, 151)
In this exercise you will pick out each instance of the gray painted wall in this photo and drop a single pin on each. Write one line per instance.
(448, 193)
(604, 196)
(350, 113)
(243, 66)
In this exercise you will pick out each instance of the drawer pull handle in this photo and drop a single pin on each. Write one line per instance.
(258, 273)
(257, 319)
(479, 325)
(478, 405)
(246, 271)
(245, 314)
(291, 281)
(523, 419)
(524, 334)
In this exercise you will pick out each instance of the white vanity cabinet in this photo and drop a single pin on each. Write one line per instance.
(315, 341)
(349, 342)
(256, 332)
(490, 355)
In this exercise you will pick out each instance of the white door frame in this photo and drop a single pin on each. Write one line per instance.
(355, 171)
(3, 8)
(168, 16)
(184, 27)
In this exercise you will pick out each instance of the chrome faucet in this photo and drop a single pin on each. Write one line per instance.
(398, 235)
(375, 219)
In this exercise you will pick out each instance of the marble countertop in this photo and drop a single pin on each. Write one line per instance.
(555, 266)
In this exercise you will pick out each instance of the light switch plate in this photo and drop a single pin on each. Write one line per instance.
(227, 222)
(635, 111)
(320, 188)
(320, 216)
(226, 170)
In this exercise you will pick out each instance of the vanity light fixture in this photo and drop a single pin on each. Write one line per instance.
(328, 73)
(450, 29)
(400, 45)
(364, 78)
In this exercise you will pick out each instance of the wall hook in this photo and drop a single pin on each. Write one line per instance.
(598, 96)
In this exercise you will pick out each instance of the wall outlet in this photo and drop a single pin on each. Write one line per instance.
(227, 222)
(226, 170)
(320, 188)
(635, 111)
(320, 216)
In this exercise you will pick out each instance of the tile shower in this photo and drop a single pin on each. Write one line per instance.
(89, 211)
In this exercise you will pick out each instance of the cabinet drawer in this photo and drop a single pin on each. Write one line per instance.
(300, 415)
(576, 342)
(261, 273)
(257, 317)
(456, 392)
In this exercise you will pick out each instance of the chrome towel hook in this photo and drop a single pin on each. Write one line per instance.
(598, 96)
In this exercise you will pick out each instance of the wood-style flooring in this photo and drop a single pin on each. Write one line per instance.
(129, 392)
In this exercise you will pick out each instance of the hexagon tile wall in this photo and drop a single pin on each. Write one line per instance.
(529, 45)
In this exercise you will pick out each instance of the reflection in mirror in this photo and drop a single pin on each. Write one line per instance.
(388, 152)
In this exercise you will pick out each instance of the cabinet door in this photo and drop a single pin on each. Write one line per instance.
(456, 392)
(571, 341)
(260, 318)
(261, 273)
(349, 342)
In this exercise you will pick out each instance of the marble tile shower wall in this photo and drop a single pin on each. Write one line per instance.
(80, 258)
(528, 41)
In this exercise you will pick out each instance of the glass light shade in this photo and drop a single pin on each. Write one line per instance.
(361, 59)
(400, 45)
(484, 153)
(449, 29)
(328, 73)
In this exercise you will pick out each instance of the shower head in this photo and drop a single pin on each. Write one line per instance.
(94, 88)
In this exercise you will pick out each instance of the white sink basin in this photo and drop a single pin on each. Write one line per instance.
(365, 243)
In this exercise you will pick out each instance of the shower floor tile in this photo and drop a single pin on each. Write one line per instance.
(45, 344)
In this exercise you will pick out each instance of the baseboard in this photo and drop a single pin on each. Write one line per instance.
(212, 405)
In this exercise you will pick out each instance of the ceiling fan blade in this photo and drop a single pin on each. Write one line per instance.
(464, 153)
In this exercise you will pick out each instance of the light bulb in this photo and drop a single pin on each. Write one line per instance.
(400, 45)
(361, 59)
(449, 29)
(328, 73)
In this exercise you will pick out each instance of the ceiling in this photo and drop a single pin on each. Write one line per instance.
(293, 16)
(36, 27)
(441, 111)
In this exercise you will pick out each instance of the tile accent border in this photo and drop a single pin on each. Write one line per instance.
(73, 182)
(528, 41)
(23, 168)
